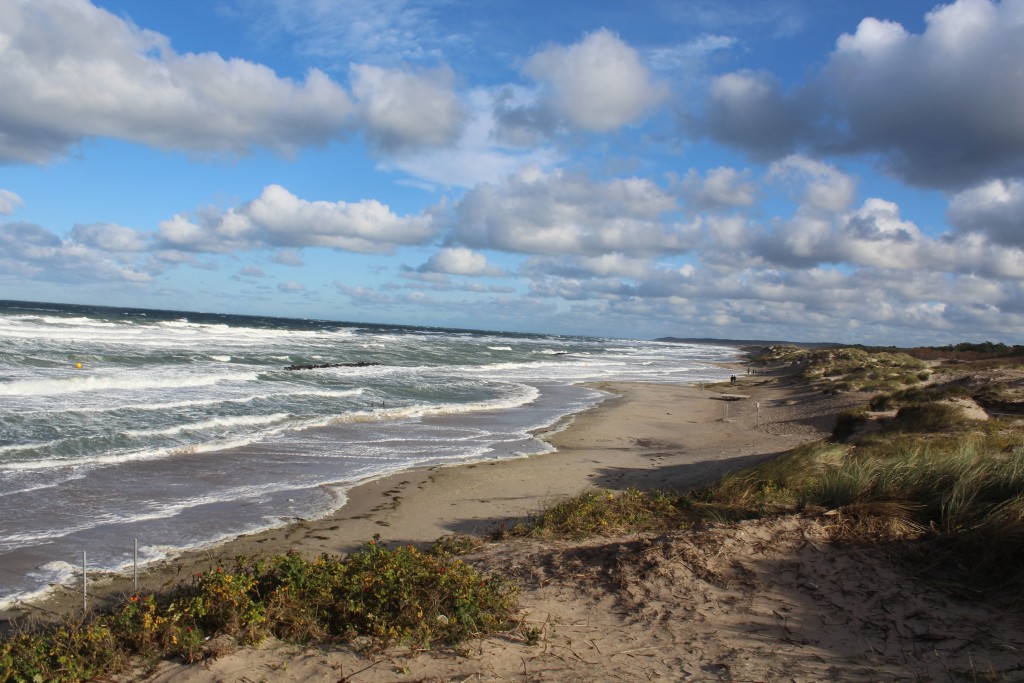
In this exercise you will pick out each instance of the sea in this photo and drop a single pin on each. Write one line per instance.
(172, 430)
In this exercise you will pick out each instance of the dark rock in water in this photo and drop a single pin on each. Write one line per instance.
(359, 364)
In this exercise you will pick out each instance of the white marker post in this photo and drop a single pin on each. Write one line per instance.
(758, 423)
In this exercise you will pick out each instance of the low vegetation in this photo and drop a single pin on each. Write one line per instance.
(957, 501)
(371, 598)
(850, 369)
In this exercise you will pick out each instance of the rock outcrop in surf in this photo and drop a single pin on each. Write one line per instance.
(358, 364)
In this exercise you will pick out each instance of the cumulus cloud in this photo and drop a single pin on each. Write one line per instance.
(748, 109)
(277, 218)
(459, 261)
(70, 70)
(109, 237)
(817, 185)
(535, 212)
(598, 84)
(720, 188)
(478, 156)
(31, 251)
(405, 111)
(943, 108)
(995, 209)
(8, 202)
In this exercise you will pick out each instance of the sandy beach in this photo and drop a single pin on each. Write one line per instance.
(763, 600)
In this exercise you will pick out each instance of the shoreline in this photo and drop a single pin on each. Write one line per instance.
(643, 435)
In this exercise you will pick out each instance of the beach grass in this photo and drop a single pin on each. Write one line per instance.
(371, 598)
(849, 369)
(957, 500)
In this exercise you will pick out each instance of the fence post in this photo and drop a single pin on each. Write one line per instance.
(85, 584)
(135, 566)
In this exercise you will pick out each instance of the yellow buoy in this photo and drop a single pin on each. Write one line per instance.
(78, 365)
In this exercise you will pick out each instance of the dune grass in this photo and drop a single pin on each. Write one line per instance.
(371, 598)
(850, 369)
(956, 500)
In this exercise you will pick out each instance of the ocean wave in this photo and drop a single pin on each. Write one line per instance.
(525, 395)
(125, 382)
(211, 424)
(108, 458)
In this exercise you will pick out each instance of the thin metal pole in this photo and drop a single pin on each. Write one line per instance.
(85, 583)
(135, 566)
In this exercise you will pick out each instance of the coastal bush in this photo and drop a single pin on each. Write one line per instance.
(374, 597)
(596, 512)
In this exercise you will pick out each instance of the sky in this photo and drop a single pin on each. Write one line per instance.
(810, 170)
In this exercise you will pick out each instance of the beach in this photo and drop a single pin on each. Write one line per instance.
(182, 430)
(759, 600)
(642, 435)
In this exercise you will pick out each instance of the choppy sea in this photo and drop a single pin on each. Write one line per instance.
(186, 429)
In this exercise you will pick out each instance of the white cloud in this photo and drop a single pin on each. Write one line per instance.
(720, 188)
(404, 111)
(459, 261)
(819, 186)
(69, 70)
(395, 31)
(30, 251)
(109, 237)
(598, 84)
(941, 108)
(277, 218)
(536, 212)
(670, 58)
(478, 156)
(8, 202)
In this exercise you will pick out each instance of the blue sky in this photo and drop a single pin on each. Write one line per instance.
(797, 169)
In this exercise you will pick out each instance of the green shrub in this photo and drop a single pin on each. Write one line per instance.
(378, 594)
(603, 512)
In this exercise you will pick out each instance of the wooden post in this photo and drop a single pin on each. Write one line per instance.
(135, 567)
(85, 584)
